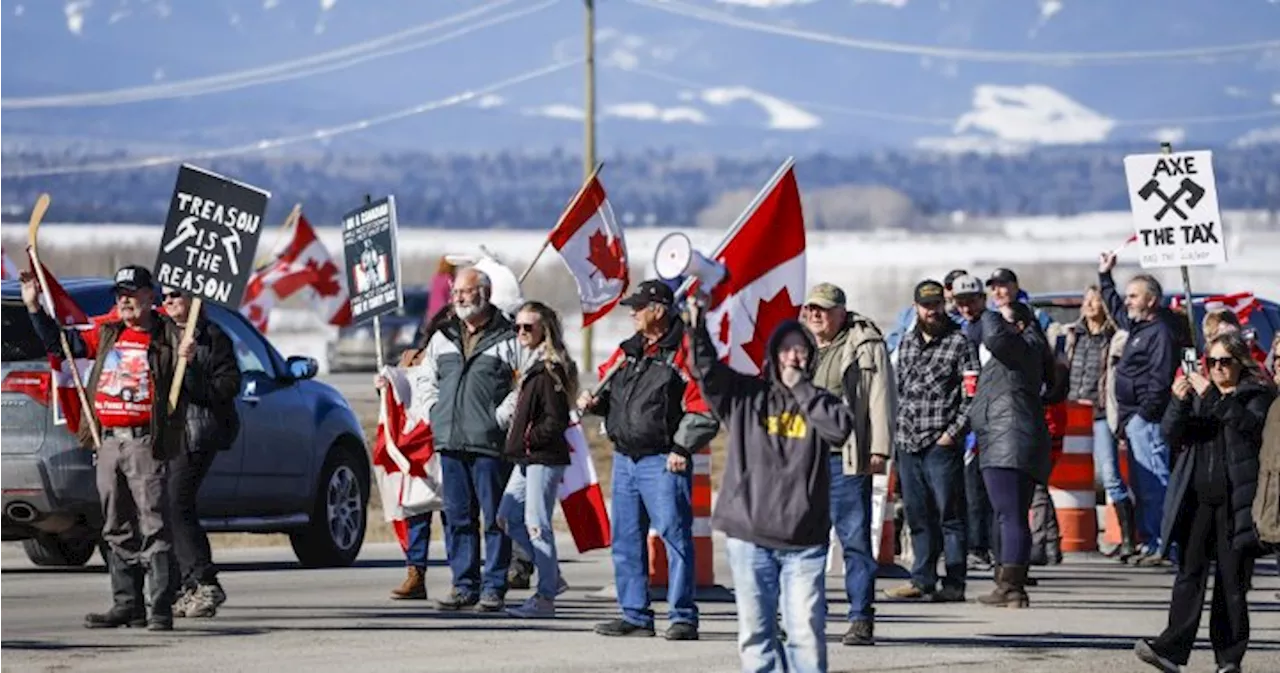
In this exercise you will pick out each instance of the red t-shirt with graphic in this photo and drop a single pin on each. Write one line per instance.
(123, 397)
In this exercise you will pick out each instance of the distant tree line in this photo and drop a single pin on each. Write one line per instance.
(514, 189)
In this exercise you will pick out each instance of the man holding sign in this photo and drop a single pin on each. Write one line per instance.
(135, 358)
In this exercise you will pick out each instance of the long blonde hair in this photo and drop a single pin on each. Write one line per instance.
(552, 349)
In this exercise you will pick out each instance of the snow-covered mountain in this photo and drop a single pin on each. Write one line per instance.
(720, 75)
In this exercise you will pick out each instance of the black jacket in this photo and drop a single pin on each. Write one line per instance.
(776, 489)
(210, 385)
(1008, 412)
(167, 431)
(1220, 438)
(652, 405)
(1144, 374)
(541, 417)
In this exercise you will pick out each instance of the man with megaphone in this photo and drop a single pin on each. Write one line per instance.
(656, 419)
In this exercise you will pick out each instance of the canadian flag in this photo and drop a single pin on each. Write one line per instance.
(590, 241)
(1243, 304)
(581, 498)
(765, 285)
(301, 264)
(9, 270)
(404, 458)
(67, 313)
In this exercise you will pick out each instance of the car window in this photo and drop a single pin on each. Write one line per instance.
(19, 337)
(251, 355)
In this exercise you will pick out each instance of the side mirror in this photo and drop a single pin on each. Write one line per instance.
(302, 367)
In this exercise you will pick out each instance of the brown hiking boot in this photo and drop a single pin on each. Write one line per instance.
(415, 586)
(1010, 589)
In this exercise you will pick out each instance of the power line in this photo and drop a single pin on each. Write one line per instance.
(310, 136)
(336, 59)
(956, 53)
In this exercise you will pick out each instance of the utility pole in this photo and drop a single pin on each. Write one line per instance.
(589, 149)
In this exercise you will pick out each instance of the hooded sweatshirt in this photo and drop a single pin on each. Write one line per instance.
(777, 477)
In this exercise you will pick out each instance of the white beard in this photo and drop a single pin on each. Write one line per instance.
(467, 311)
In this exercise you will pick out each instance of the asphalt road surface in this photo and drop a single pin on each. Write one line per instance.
(1084, 618)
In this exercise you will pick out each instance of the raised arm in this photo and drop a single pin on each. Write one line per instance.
(719, 383)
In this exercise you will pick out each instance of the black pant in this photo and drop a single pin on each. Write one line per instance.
(1209, 539)
(190, 543)
(1010, 492)
(980, 518)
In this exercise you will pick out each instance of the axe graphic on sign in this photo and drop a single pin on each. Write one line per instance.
(230, 242)
(186, 230)
(1194, 193)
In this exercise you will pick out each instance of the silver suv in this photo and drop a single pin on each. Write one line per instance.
(298, 466)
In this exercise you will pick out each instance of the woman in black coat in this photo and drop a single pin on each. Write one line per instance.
(1217, 424)
(537, 444)
(1013, 438)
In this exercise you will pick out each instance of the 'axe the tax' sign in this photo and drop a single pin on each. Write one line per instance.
(373, 268)
(210, 236)
(1175, 209)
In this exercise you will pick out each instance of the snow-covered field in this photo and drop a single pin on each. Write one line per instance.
(878, 270)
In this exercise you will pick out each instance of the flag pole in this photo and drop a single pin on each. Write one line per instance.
(1167, 148)
(589, 134)
(742, 219)
(563, 216)
(86, 411)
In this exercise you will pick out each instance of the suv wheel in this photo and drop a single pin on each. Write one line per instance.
(338, 517)
(49, 550)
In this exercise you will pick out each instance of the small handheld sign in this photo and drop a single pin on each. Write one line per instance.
(373, 267)
(1174, 199)
(210, 238)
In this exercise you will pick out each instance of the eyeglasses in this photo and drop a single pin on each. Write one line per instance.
(1219, 362)
(523, 327)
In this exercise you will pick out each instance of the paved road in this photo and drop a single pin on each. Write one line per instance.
(1086, 615)
(357, 387)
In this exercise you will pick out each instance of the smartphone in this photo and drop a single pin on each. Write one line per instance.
(1189, 360)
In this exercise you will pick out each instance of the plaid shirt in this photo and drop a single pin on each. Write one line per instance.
(931, 397)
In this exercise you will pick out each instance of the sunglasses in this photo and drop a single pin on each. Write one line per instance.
(523, 327)
(1219, 362)
(174, 295)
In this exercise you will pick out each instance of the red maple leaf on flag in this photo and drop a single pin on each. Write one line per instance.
(326, 278)
(606, 255)
(724, 334)
(771, 313)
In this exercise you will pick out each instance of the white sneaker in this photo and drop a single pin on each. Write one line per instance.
(561, 585)
(536, 607)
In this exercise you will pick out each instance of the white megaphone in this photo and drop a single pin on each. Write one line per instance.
(675, 257)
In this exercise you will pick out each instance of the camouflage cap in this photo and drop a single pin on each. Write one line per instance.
(825, 295)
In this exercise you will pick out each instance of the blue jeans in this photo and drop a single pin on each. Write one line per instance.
(473, 485)
(933, 495)
(763, 578)
(419, 534)
(527, 506)
(1106, 462)
(851, 516)
(1150, 475)
(646, 494)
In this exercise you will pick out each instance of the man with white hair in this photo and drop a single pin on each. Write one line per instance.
(465, 385)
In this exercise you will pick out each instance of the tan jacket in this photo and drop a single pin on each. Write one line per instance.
(870, 392)
(1266, 503)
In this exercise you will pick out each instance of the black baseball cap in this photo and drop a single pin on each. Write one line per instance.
(650, 292)
(133, 278)
(1001, 277)
(928, 292)
(951, 277)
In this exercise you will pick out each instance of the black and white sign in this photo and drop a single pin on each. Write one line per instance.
(210, 236)
(1175, 209)
(373, 267)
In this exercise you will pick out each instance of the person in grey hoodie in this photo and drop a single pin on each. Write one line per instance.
(774, 504)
